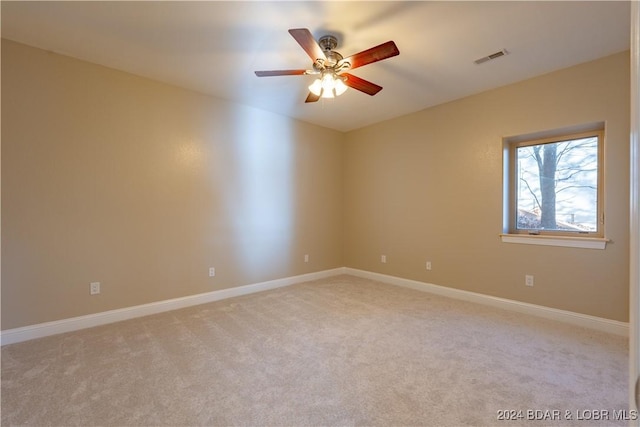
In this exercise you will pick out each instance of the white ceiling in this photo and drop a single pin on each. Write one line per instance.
(214, 47)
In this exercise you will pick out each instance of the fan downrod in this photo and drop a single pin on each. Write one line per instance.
(328, 43)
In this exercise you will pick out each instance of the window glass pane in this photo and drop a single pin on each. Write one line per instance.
(557, 186)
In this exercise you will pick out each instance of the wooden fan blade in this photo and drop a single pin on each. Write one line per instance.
(308, 43)
(361, 84)
(280, 73)
(312, 97)
(375, 54)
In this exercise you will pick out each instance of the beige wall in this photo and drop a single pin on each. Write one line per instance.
(428, 186)
(143, 186)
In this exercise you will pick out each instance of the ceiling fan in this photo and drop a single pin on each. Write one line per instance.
(331, 67)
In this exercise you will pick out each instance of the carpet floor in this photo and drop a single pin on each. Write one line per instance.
(340, 351)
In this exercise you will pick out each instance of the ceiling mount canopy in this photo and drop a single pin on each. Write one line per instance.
(331, 66)
(328, 42)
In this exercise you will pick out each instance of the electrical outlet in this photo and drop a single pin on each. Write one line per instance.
(94, 288)
(383, 259)
(428, 265)
(528, 280)
(212, 271)
(306, 257)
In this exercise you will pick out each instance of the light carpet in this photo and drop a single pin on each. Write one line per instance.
(338, 351)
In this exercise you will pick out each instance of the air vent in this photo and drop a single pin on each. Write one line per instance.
(498, 54)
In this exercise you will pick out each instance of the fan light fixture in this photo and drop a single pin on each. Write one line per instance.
(332, 67)
(329, 85)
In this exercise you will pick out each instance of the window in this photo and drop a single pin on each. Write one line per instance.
(553, 184)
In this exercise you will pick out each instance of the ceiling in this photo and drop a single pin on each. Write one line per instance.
(215, 47)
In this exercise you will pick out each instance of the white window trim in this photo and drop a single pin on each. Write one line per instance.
(564, 241)
(568, 241)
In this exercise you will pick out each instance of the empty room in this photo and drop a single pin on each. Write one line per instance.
(319, 213)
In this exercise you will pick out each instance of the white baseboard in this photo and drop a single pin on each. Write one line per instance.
(584, 320)
(11, 336)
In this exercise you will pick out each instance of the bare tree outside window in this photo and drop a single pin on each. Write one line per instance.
(557, 185)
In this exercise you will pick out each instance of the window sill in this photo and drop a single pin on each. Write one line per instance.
(565, 241)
